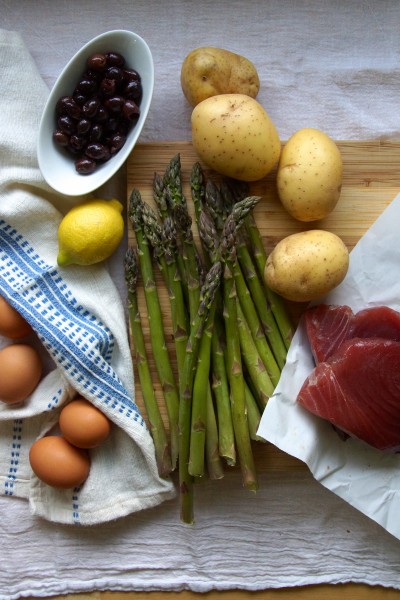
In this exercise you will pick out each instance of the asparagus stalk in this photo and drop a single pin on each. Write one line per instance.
(276, 303)
(156, 326)
(207, 296)
(220, 387)
(156, 424)
(236, 219)
(210, 240)
(239, 190)
(233, 351)
(197, 188)
(258, 294)
(255, 366)
(214, 202)
(253, 414)
(173, 181)
(165, 257)
(214, 463)
(191, 259)
(201, 389)
(160, 196)
(237, 387)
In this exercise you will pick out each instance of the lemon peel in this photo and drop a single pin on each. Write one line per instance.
(90, 232)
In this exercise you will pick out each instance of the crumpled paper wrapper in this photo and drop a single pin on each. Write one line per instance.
(366, 478)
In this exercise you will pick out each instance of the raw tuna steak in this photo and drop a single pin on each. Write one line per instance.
(329, 326)
(358, 391)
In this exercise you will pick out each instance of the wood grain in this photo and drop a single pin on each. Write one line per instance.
(346, 591)
(371, 180)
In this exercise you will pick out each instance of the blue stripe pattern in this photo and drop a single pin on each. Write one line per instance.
(78, 342)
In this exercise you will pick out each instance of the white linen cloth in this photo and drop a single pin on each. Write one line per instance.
(332, 65)
(69, 310)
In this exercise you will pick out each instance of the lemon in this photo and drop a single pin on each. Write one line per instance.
(90, 232)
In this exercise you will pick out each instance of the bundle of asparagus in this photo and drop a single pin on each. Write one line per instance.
(231, 333)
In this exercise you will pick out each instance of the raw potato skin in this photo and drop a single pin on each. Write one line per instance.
(234, 136)
(211, 71)
(307, 265)
(309, 177)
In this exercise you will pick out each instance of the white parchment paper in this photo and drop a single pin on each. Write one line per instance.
(366, 478)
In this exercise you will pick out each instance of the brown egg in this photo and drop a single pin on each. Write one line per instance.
(20, 372)
(84, 425)
(12, 324)
(58, 463)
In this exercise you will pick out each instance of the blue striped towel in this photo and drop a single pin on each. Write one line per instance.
(79, 328)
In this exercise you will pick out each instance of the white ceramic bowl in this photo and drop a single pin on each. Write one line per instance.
(56, 165)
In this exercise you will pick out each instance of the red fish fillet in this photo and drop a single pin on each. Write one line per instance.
(358, 391)
(328, 326)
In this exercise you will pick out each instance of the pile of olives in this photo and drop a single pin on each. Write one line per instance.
(93, 123)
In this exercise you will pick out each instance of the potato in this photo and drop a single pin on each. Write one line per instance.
(234, 136)
(307, 265)
(209, 72)
(309, 177)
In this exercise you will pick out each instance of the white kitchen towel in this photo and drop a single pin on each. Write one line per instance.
(77, 315)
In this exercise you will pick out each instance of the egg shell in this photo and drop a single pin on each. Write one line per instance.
(84, 425)
(58, 463)
(20, 372)
(12, 323)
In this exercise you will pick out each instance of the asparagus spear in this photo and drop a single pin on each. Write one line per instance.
(173, 181)
(236, 381)
(239, 190)
(255, 366)
(214, 463)
(253, 414)
(191, 259)
(275, 301)
(160, 196)
(233, 354)
(197, 188)
(207, 296)
(201, 389)
(259, 296)
(165, 257)
(210, 240)
(156, 326)
(156, 424)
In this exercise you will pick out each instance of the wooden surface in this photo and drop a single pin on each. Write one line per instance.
(318, 592)
(371, 181)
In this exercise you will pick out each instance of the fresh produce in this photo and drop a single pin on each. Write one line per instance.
(12, 323)
(93, 122)
(211, 71)
(357, 390)
(58, 463)
(90, 232)
(233, 346)
(235, 137)
(156, 325)
(309, 176)
(307, 265)
(20, 372)
(328, 326)
(156, 424)
(84, 425)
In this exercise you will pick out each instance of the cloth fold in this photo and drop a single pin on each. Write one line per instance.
(69, 310)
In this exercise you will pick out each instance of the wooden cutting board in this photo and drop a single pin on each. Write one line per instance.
(371, 181)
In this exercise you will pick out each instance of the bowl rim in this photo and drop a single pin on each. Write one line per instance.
(107, 170)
